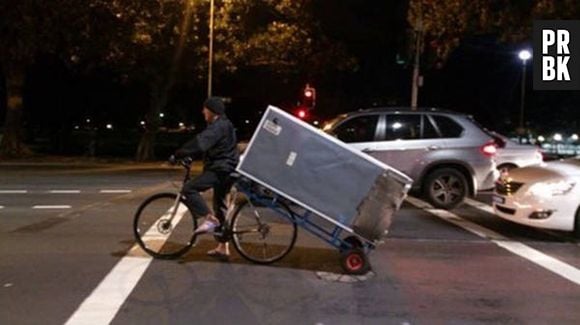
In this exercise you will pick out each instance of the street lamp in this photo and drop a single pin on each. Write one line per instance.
(524, 55)
(210, 58)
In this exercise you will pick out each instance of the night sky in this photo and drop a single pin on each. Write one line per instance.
(482, 77)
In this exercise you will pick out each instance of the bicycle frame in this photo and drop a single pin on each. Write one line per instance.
(187, 165)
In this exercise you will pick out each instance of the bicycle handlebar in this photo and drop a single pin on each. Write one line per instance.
(185, 162)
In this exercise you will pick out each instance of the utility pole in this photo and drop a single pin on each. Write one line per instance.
(210, 58)
(417, 64)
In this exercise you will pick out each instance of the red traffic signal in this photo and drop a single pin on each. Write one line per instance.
(309, 96)
(302, 113)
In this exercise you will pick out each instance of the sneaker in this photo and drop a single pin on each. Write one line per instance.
(206, 226)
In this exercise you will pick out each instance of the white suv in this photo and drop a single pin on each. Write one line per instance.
(447, 154)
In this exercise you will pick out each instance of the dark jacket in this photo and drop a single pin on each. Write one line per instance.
(218, 143)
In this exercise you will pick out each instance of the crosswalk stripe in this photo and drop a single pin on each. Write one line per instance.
(548, 262)
(13, 191)
(101, 306)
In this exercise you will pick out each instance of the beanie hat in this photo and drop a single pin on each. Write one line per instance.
(215, 104)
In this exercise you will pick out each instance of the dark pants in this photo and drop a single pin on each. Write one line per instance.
(221, 184)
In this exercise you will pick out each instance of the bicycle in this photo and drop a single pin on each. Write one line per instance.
(261, 226)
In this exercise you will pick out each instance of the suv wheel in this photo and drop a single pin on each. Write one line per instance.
(576, 231)
(445, 188)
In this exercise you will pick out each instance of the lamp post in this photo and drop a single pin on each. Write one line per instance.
(210, 58)
(524, 55)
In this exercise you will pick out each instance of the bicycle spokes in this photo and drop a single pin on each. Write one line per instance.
(163, 228)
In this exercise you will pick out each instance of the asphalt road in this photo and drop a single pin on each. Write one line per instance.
(67, 254)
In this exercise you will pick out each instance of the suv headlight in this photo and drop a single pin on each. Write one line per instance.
(547, 189)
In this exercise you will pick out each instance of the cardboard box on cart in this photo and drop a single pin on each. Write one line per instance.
(324, 175)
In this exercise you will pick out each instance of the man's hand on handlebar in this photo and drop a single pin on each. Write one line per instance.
(183, 161)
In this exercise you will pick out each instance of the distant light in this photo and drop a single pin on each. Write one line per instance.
(110, 126)
(88, 120)
(181, 125)
(541, 138)
(77, 127)
(161, 115)
(525, 55)
(557, 137)
(301, 113)
(574, 137)
(247, 121)
(397, 125)
(316, 122)
(308, 93)
(142, 123)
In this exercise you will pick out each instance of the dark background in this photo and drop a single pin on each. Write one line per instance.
(482, 77)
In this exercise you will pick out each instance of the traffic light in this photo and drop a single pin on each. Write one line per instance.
(309, 96)
(302, 113)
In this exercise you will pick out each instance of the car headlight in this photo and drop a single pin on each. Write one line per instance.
(551, 188)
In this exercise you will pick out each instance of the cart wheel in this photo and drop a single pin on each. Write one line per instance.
(354, 241)
(354, 261)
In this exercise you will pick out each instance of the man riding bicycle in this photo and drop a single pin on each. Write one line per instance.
(219, 145)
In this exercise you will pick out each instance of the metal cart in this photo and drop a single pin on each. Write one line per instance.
(309, 176)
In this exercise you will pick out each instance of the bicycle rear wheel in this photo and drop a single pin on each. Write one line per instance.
(160, 235)
(263, 233)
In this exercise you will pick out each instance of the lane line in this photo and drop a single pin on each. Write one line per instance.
(101, 306)
(480, 205)
(51, 207)
(64, 191)
(548, 262)
(13, 191)
(1, 207)
(114, 191)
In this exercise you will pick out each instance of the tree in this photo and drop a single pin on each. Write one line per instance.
(158, 42)
(28, 28)
(163, 41)
(446, 22)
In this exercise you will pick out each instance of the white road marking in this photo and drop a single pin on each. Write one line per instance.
(13, 191)
(1, 207)
(64, 191)
(101, 306)
(552, 264)
(480, 205)
(51, 207)
(114, 191)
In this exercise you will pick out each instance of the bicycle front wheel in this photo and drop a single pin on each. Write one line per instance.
(164, 227)
(263, 233)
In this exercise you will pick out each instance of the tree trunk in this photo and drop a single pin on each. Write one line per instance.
(12, 144)
(146, 148)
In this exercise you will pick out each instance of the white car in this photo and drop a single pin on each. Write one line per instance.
(511, 154)
(545, 196)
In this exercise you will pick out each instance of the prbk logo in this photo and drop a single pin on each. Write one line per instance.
(557, 55)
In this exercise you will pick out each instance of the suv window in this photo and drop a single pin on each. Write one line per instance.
(403, 127)
(429, 131)
(448, 127)
(358, 129)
